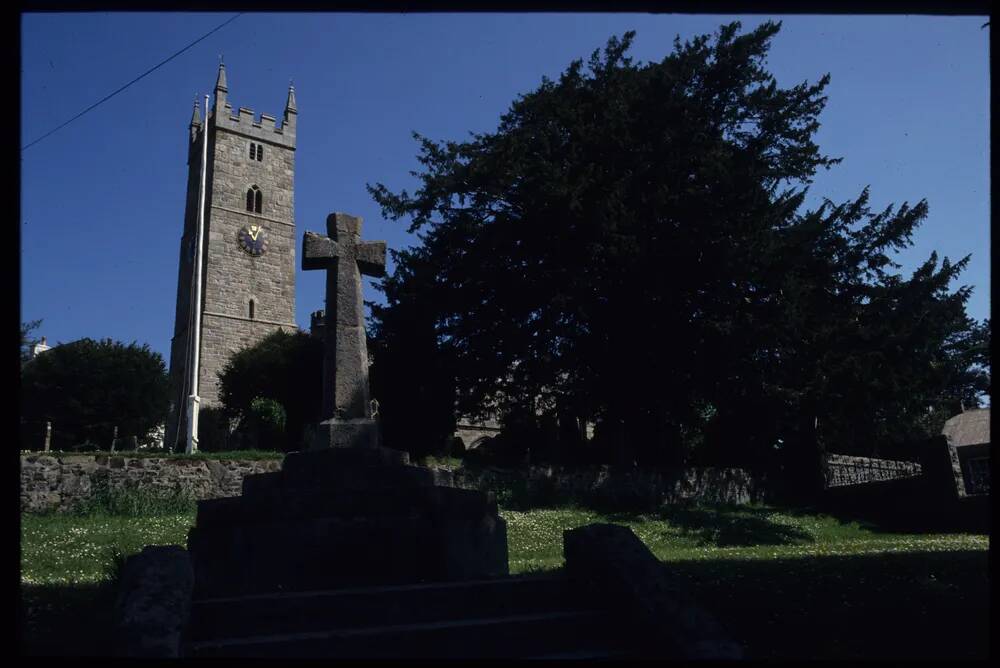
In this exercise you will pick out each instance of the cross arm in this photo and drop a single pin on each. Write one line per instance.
(318, 251)
(371, 258)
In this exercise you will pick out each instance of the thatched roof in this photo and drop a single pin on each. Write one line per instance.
(968, 428)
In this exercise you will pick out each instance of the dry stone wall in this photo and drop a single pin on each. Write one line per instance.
(842, 470)
(60, 483)
(624, 486)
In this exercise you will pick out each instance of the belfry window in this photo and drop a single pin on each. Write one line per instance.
(255, 200)
(251, 309)
(256, 152)
(260, 152)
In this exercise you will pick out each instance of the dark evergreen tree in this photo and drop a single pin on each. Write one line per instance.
(631, 246)
(412, 379)
(286, 368)
(86, 388)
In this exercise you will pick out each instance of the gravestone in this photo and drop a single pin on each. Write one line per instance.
(345, 258)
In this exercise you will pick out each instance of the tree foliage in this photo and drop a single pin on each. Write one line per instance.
(27, 340)
(412, 383)
(284, 367)
(632, 245)
(86, 388)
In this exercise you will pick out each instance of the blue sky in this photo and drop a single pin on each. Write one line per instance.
(102, 201)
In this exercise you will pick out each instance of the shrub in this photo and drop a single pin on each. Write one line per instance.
(265, 422)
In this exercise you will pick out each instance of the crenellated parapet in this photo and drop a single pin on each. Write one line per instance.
(244, 122)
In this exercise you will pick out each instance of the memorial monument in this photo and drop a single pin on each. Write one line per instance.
(346, 420)
(346, 512)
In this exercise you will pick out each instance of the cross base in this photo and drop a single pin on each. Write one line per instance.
(336, 433)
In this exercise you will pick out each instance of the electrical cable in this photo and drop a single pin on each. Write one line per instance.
(149, 71)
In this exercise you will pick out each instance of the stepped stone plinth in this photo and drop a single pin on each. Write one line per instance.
(344, 517)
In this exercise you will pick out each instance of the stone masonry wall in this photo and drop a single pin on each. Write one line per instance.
(60, 483)
(233, 277)
(842, 470)
(624, 485)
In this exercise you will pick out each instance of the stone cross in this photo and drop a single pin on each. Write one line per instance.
(345, 363)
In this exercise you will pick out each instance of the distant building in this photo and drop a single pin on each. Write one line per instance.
(317, 324)
(39, 348)
(968, 435)
(475, 432)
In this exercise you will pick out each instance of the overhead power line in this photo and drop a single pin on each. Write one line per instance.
(144, 74)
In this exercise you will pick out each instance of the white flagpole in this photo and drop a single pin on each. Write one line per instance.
(194, 401)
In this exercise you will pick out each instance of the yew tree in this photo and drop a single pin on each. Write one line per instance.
(632, 246)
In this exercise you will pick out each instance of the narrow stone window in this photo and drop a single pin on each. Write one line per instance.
(251, 309)
(254, 199)
(253, 151)
(260, 152)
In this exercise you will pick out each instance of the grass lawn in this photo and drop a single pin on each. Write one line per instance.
(797, 585)
(786, 584)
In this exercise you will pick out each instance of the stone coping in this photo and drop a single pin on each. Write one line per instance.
(67, 456)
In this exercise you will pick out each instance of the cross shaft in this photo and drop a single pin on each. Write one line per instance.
(345, 363)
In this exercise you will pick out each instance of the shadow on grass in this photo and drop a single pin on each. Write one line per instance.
(65, 620)
(726, 526)
(729, 526)
(926, 605)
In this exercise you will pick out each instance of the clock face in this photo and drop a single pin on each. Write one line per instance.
(252, 239)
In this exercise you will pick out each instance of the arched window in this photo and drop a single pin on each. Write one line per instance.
(255, 200)
(251, 309)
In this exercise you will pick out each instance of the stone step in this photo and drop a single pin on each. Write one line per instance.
(357, 607)
(331, 552)
(326, 458)
(264, 485)
(491, 637)
(307, 554)
(279, 502)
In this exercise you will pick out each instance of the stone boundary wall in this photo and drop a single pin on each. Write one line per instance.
(60, 483)
(843, 470)
(626, 485)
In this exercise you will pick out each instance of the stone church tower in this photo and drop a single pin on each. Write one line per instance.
(248, 271)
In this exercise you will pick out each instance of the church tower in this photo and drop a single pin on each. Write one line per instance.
(248, 271)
